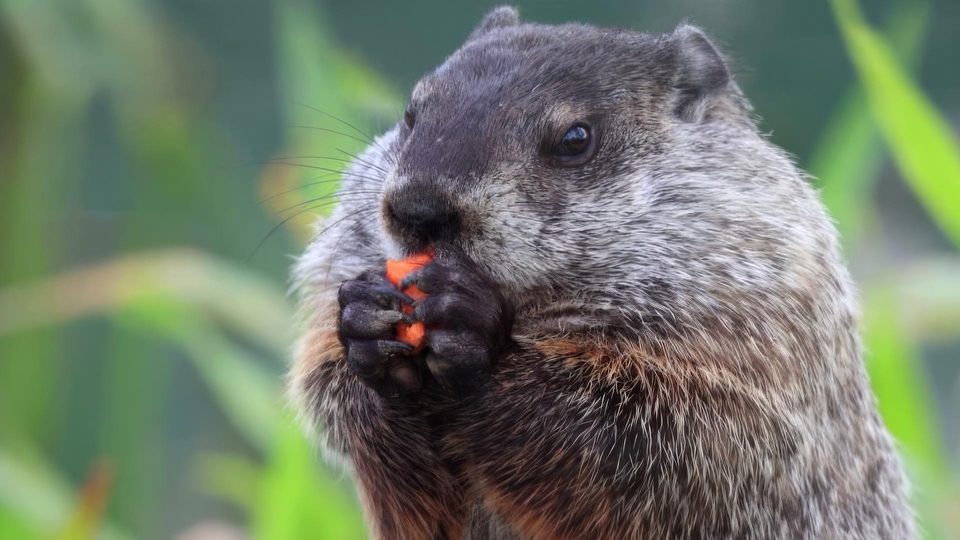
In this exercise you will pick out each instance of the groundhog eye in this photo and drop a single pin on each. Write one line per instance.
(409, 116)
(575, 141)
(575, 147)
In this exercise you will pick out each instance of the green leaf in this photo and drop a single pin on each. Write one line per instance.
(300, 500)
(848, 155)
(924, 147)
(13, 526)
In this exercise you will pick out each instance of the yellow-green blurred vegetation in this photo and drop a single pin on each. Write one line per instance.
(149, 205)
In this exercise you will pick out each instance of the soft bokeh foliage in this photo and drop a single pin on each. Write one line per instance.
(146, 210)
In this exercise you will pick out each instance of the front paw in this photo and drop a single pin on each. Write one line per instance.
(369, 312)
(467, 318)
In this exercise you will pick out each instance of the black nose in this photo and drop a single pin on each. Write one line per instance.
(423, 214)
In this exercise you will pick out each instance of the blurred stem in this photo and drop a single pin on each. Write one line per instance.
(247, 303)
(136, 372)
(37, 496)
(32, 193)
(248, 394)
(155, 129)
(88, 515)
(322, 88)
(893, 368)
(230, 478)
(904, 401)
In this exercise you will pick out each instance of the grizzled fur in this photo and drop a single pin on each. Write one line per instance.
(658, 343)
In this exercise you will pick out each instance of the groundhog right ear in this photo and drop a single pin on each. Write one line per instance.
(702, 75)
(498, 17)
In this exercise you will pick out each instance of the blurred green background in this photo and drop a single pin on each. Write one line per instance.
(154, 186)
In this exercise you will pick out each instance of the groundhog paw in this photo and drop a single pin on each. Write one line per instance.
(467, 320)
(369, 311)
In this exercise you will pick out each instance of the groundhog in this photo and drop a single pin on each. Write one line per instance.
(638, 321)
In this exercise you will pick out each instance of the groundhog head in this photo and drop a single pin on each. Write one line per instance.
(618, 167)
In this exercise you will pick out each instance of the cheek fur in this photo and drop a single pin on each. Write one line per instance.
(517, 251)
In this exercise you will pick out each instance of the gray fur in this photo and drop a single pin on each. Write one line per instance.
(688, 234)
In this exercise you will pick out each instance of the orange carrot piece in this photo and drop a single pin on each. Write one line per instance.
(397, 270)
(411, 334)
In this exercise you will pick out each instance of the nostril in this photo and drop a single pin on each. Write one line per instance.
(443, 225)
(417, 212)
(424, 214)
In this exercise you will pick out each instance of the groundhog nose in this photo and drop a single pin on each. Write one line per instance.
(424, 215)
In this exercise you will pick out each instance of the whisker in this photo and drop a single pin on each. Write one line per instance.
(350, 196)
(358, 212)
(298, 188)
(309, 184)
(336, 248)
(319, 168)
(273, 230)
(367, 162)
(328, 130)
(360, 222)
(335, 158)
(276, 227)
(342, 121)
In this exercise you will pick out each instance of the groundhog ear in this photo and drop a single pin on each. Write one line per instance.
(498, 17)
(702, 75)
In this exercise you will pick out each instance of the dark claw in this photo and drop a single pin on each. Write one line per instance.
(411, 279)
(369, 311)
(390, 348)
(435, 277)
(388, 291)
(381, 292)
(365, 320)
(363, 358)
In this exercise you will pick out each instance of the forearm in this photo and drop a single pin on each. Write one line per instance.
(406, 491)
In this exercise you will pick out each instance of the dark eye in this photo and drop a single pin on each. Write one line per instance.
(410, 116)
(574, 142)
(575, 147)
